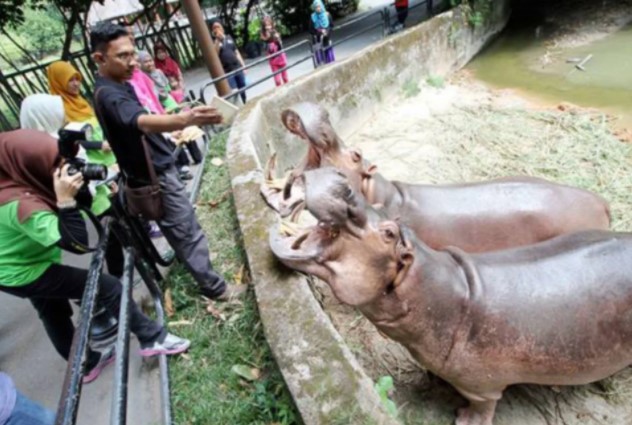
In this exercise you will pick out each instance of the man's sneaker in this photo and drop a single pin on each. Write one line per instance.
(170, 345)
(232, 292)
(107, 357)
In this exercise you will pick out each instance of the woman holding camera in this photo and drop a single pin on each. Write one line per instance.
(39, 218)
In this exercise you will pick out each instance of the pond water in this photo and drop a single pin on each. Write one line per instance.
(520, 60)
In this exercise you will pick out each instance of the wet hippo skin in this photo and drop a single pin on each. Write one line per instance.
(555, 313)
(476, 217)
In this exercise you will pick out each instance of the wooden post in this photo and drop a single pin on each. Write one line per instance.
(203, 37)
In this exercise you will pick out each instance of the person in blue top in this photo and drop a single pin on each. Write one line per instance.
(39, 217)
(17, 409)
(321, 26)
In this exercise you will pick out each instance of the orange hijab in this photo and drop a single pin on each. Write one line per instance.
(75, 106)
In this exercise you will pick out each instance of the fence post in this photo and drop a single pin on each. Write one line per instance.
(386, 21)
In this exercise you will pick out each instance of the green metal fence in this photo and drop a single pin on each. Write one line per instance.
(30, 80)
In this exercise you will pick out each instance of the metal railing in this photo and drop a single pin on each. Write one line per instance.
(139, 254)
(32, 79)
(417, 12)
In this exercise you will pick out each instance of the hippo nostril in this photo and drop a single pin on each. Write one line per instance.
(389, 288)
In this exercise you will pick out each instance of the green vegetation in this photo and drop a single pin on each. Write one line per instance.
(476, 12)
(228, 375)
(435, 81)
(410, 88)
(384, 386)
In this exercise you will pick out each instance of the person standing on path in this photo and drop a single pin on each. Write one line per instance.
(127, 123)
(272, 39)
(229, 56)
(401, 6)
(321, 26)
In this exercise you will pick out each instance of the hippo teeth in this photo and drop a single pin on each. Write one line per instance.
(297, 243)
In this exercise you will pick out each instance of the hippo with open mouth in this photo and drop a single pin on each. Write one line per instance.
(554, 313)
(476, 217)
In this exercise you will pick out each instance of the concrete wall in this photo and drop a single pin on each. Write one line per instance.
(325, 379)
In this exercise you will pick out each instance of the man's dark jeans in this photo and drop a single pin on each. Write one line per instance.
(183, 232)
(50, 294)
(238, 81)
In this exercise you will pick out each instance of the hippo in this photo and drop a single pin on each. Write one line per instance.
(476, 217)
(558, 312)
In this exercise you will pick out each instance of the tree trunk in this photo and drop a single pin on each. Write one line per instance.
(70, 27)
(245, 33)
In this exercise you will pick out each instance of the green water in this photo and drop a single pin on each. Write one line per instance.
(515, 61)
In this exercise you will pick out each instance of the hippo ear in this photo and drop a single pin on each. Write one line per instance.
(406, 259)
(293, 123)
(370, 170)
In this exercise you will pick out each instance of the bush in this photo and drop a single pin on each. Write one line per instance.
(42, 31)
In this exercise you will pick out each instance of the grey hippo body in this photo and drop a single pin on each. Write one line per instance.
(555, 313)
(476, 217)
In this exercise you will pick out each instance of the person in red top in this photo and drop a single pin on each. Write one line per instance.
(401, 6)
(171, 69)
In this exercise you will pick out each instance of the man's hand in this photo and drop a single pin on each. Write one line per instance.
(105, 147)
(66, 187)
(202, 115)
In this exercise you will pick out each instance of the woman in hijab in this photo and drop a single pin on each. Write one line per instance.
(271, 37)
(161, 82)
(65, 81)
(321, 26)
(45, 112)
(171, 69)
(39, 218)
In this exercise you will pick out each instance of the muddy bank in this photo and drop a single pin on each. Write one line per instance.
(467, 132)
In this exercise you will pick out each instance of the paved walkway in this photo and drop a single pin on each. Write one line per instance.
(26, 352)
(367, 17)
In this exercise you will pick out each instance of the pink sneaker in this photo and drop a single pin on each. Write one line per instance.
(170, 345)
(107, 357)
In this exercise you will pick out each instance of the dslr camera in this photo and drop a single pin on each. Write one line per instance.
(70, 138)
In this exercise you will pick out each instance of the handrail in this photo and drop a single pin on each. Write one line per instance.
(307, 41)
(71, 393)
(248, 66)
(136, 256)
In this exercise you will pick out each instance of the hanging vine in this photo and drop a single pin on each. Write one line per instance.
(475, 12)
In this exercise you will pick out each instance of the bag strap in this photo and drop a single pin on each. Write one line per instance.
(150, 165)
(143, 138)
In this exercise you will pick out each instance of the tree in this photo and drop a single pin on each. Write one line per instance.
(42, 30)
(293, 14)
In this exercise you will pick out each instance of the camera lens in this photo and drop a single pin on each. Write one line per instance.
(94, 172)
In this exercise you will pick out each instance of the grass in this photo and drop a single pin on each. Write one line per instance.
(205, 389)
(410, 88)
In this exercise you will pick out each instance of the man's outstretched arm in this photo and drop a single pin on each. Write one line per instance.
(200, 115)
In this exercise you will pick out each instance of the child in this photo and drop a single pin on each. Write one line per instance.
(272, 38)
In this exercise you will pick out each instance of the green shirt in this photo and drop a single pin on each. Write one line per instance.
(27, 249)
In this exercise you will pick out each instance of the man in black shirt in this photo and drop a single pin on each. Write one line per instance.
(229, 56)
(124, 122)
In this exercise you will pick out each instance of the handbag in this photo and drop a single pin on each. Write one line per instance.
(145, 201)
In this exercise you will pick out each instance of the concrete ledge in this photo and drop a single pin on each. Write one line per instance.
(325, 379)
